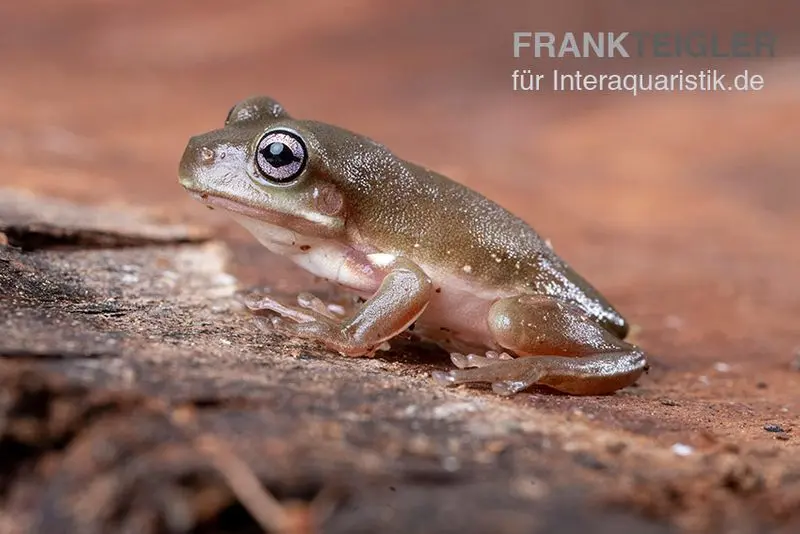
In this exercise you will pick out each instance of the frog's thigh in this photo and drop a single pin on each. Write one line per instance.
(558, 345)
(537, 325)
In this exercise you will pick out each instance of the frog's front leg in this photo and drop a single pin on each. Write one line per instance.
(557, 346)
(401, 297)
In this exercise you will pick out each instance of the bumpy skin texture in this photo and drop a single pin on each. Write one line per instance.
(360, 216)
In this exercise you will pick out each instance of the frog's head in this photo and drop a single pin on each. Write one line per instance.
(275, 172)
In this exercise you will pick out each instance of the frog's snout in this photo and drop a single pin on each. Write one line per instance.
(197, 157)
(205, 160)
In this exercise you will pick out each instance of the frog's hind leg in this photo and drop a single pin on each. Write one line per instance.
(558, 346)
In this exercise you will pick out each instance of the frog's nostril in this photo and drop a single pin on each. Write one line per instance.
(202, 159)
(206, 155)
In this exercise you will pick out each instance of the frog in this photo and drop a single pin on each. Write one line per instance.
(419, 250)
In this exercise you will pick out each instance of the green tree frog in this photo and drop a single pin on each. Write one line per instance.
(421, 249)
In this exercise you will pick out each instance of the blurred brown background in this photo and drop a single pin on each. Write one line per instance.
(683, 208)
(680, 205)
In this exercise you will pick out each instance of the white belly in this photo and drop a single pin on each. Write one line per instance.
(456, 317)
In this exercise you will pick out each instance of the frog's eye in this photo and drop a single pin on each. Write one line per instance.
(281, 156)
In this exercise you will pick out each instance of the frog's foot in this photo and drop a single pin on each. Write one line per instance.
(326, 331)
(596, 374)
(507, 376)
(310, 307)
(558, 345)
(465, 361)
(311, 319)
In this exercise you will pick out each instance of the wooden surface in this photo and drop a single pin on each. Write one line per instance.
(120, 325)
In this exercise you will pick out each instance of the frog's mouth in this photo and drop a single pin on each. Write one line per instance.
(217, 201)
(290, 222)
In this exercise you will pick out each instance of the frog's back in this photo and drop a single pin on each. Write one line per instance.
(436, 221)
(504, 251)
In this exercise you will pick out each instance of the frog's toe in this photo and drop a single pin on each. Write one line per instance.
(511, 387)
(466, 361)
(471, 376)
(322, 330)
(445, 378)
(494, 355)
(309, 308)
(460, 360)
(311, 330)
(507, 375)
(316, 304)
(262, 303)
(253, 300)
(275, 323)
